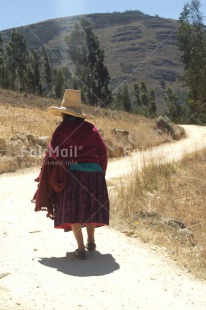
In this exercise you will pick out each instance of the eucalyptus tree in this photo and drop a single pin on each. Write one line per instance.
(90, 73)
(33, 70)
(16, 61)
(46, 71)
(2, 67)
(191, 38)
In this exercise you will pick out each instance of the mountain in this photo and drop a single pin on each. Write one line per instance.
(138, 47)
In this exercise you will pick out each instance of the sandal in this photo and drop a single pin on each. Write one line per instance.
(80, 254)
(91, 246)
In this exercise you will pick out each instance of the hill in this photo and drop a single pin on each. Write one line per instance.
(137, 47)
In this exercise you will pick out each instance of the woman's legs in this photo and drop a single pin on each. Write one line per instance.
(91, 246)
(77, 230)
(90, 232)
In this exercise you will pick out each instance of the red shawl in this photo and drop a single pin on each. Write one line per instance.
(52, 180)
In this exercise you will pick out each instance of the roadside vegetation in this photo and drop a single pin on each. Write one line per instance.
(164, 205)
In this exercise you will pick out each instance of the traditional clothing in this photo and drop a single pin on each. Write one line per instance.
(52, 180)
(80, 142)
(83, 197)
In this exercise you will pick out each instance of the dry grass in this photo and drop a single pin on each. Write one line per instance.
(24, 113)
(27, 114)
(144, 203)
(14, 120)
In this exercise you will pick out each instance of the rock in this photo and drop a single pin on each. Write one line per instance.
(164, 124)
(179, 132)
(31, 139)
(38, 150)
(28, 161)
(148, 213)
(118, 144)
(2, 146)
(16, 148)
(185, 232)
(22, 137)
(159, 131)
(119, 133)
(8, 165)
(43, 141)
(174, 223)
(186, 235)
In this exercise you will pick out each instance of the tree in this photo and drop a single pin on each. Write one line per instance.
(144, 102)
(59, 83)
(123, 99)
(137, 95)
(62, 80)
(2, 69)
(16, 61)
(126, 99)
(191, 38)
(176, 109)
(24, 70)
(67, 76)
(34, 73)
(152, 103)
(143, 88)
(91, 75)
(46, 71)
(118, 99)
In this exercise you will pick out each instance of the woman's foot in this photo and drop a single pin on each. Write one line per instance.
(91, 246)
(80, 254)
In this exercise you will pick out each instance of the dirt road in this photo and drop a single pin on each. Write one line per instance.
(196, 139)
(122, 274)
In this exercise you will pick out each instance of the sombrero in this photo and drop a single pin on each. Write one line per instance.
(71, 104)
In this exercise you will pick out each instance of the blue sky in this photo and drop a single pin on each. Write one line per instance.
(14, 13)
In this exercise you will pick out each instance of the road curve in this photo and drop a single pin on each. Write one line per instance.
(173, 151)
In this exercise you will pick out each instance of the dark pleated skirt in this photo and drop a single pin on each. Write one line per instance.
(84, 200)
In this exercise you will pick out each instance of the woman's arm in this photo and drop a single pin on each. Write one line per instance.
(101, 150)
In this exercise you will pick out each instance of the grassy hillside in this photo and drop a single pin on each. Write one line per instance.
(138, 47)
(24, 119)
(23, 113)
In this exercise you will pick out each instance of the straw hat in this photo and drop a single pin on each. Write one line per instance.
(71, 104)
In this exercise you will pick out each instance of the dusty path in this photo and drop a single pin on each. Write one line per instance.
(122, 274)
(196, 139)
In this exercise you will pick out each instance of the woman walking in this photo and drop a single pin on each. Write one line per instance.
(83, 202)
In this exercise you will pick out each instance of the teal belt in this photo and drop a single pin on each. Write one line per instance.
(88, 167)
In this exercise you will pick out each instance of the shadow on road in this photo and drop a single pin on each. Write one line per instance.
(96, 264)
